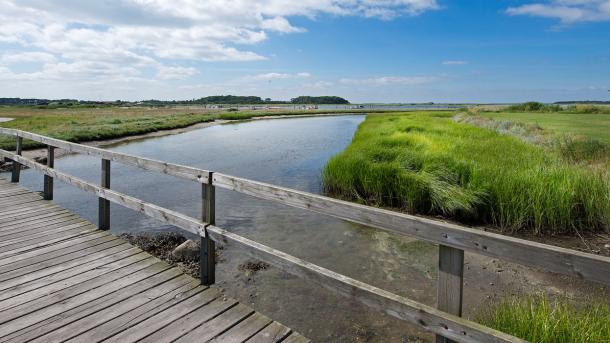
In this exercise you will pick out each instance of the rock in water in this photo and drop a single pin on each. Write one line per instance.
(187, 251)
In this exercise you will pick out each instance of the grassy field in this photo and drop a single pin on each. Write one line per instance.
(425, 162)
(536, 319)
(87, 124)
(594, 126)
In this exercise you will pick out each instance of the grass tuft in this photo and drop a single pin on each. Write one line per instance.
(538, 320)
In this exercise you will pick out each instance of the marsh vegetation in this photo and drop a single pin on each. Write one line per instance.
(538, 319)
(427, 163)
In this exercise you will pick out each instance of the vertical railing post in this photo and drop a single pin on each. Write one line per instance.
(450, 283)
(207, 252)
(48, 180)
(17, 165)
(104, 213)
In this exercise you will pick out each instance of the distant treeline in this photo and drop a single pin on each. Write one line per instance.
(255, 100)
(208, 100)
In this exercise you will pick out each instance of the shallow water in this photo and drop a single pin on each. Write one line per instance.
(292, 153)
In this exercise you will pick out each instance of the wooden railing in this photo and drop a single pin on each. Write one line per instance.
(452, 239)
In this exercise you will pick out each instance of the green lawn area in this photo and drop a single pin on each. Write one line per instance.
(426, 163)
(595, 126)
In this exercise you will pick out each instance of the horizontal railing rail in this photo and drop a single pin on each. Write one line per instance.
(185, 172)
(453, 239)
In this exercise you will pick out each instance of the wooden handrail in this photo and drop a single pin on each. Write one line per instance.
(185, 172)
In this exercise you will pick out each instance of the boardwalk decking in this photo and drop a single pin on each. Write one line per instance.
(62, 279)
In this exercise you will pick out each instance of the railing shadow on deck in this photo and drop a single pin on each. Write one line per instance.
(445, 321)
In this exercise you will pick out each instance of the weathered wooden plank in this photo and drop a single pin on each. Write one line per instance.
(140, 313)
(44, 295)
(39, 255)
(416, 313)
(48, 181)
(244, 330)
(529, 253)
(25, 213)
(32, 205)
(29, 235)
(74, 322)
(218, 325)
(36, 287)
(75, 296)
(35, 219)
(55, 235)
(274, 332)
(185, 172)
(450, 283)
(180, 326)
(7, 193)
(207, 252)
(16, 166)
(19, 199)
(27, 247)
(104, 205)
(62, 267)
(164, 318)
(39, 227)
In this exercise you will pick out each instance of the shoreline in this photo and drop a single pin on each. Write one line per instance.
(40, 154)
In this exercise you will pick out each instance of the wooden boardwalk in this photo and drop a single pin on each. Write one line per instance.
(62, 279)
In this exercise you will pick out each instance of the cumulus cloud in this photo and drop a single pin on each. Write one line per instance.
(566, 11)
(155, 39)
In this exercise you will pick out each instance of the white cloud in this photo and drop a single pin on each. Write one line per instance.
(448, 63)
(390, 80)
(175, 73)
(127, 40)
(275, 76)
(31, 56)
(567, 11)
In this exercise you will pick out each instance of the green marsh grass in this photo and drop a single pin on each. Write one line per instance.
(424, 162)
(538, 320)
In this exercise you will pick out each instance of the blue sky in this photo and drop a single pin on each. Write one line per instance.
(364, 50)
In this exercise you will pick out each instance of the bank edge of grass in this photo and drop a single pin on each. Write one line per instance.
(539, 320)
(82, 128)
(428, 164)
